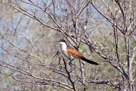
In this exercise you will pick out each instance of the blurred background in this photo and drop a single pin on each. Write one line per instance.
(30, 29)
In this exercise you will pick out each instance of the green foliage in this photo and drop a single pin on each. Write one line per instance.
(77, 73)
(40, 57)
(49, 72)
(3, 76)
(7, 71)
(9, 81)
(81, 46)
(51, 60)
(48, 86)
(90, 85)
(62, 89)
(56, 87)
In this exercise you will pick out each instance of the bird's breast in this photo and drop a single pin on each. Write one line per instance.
(65, 53)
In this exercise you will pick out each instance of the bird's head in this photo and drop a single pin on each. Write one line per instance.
(62, 42)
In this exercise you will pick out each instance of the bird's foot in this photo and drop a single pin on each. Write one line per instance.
(70, 63)
(82, 63)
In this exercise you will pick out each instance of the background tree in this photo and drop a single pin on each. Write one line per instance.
(102, 30)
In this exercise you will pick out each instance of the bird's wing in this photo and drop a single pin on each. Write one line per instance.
(73, 52)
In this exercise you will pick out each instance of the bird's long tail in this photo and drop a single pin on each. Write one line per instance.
(89, 61)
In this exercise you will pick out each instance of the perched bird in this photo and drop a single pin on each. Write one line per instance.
(71, 53)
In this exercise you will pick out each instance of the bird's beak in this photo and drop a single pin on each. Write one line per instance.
(58, 40)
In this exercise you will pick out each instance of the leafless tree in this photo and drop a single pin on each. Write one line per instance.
(104, 29)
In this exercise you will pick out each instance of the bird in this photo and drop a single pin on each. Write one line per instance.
(71, 53)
